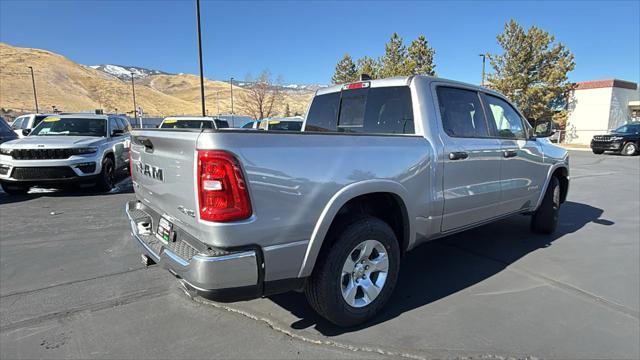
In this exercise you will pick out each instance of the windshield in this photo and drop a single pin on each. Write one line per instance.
(285, 125)
(628, 129)
(54, 126)
(187, 124)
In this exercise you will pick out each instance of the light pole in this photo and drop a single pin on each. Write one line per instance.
(231, 83)
(135, 108)
(483, 61)
(204, 112)
(33, 82)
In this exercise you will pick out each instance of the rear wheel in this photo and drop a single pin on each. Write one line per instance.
(597, 152)
(107, 176)
(355, 277)
(545, 219)
(629, 149)
(14, 189)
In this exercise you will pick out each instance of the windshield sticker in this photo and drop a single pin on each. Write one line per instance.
(51, 119)
(170, 121)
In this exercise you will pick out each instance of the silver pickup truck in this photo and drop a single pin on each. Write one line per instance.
(380, 167)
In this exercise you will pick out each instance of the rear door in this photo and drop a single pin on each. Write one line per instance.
(471, 159)
(522, 170)
(164, 173)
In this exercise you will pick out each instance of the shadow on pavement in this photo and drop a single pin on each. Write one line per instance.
(123, 186)
(445, 266)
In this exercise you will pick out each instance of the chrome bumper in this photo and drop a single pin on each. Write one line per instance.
(235, 272)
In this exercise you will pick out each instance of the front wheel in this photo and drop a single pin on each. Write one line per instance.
(355, 277)
(107, 176)
(597, 152)
(545, 219)
(629, 149)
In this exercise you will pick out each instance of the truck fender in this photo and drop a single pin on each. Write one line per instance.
(335, 204)
(552, 169)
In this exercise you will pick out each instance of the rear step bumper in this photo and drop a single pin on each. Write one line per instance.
(225, 276)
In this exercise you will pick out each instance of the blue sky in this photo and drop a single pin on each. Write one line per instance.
(302, 41)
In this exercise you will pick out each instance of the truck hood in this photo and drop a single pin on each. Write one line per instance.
(52, 142)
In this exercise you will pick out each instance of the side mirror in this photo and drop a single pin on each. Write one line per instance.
(26, 132)
(544, 128)
(117, 132)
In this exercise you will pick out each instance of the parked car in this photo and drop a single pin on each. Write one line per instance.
(193, 122)
(624, 140)
(27, 122)
(287, 124)
(380, 167)
(63, 149)
(6, 133)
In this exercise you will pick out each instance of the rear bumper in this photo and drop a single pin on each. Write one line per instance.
(214, 274)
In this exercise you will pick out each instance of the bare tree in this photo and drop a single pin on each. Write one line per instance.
(262, 97)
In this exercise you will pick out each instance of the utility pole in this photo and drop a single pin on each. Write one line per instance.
(204, 112)
(483, 61)
(135, 108)
(33, 82)
(231, 83)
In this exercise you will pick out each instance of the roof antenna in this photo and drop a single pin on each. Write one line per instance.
(365, 77)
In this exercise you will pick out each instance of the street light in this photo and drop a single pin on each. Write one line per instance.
(33, 82)
(135, 108)
(483, 61)
(231, 83)
(204, 112)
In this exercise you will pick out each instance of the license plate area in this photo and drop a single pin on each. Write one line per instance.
(165, 230)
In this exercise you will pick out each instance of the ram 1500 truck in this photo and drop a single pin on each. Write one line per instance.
(380, 167)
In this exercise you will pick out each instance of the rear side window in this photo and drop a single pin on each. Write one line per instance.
(221, 124)
(461, 112)
(17, 123)
(285, 125)
(323, 114)
(385, 110)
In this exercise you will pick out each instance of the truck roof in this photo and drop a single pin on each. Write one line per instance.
(404, 81)
(80, 115)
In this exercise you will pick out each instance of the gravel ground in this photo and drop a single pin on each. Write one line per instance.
(72, 286)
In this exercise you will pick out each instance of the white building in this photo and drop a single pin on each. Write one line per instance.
(598, 106)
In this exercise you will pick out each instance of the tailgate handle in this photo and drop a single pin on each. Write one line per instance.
(146, 142)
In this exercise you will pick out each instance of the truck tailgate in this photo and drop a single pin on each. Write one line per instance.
(163, 169)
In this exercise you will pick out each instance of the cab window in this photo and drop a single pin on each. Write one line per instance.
(461, 112)
(507, 121)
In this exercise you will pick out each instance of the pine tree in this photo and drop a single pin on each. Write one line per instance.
(532, 71)
(394, 61)
(420, 60)
(287, 110)
(369, 66)
(345, 71)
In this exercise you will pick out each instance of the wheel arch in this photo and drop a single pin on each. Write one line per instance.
(351, 196)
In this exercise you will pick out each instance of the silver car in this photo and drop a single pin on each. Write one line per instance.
(64, 149)
(380, 167)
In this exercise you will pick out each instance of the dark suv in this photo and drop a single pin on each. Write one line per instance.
(624, 140)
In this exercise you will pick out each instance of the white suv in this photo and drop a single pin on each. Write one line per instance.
(27, 122)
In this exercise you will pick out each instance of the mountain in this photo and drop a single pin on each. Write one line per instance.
(70, 86)
(123, 72)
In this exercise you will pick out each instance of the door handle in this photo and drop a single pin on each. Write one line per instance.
(510, 153)
(458, 155)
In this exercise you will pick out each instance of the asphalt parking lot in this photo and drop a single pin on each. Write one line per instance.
(72, 286)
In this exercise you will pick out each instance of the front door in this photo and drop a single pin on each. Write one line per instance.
(471, 159)
(522, 170)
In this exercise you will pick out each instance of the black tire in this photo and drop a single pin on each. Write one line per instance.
(324, 288)
(629, 149)
(597, 152)
(107, 176)
(12, 189)
(545, 219)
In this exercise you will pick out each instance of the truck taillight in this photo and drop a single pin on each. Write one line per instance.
(222, 191)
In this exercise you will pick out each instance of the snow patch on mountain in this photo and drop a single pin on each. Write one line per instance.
(124, 72)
